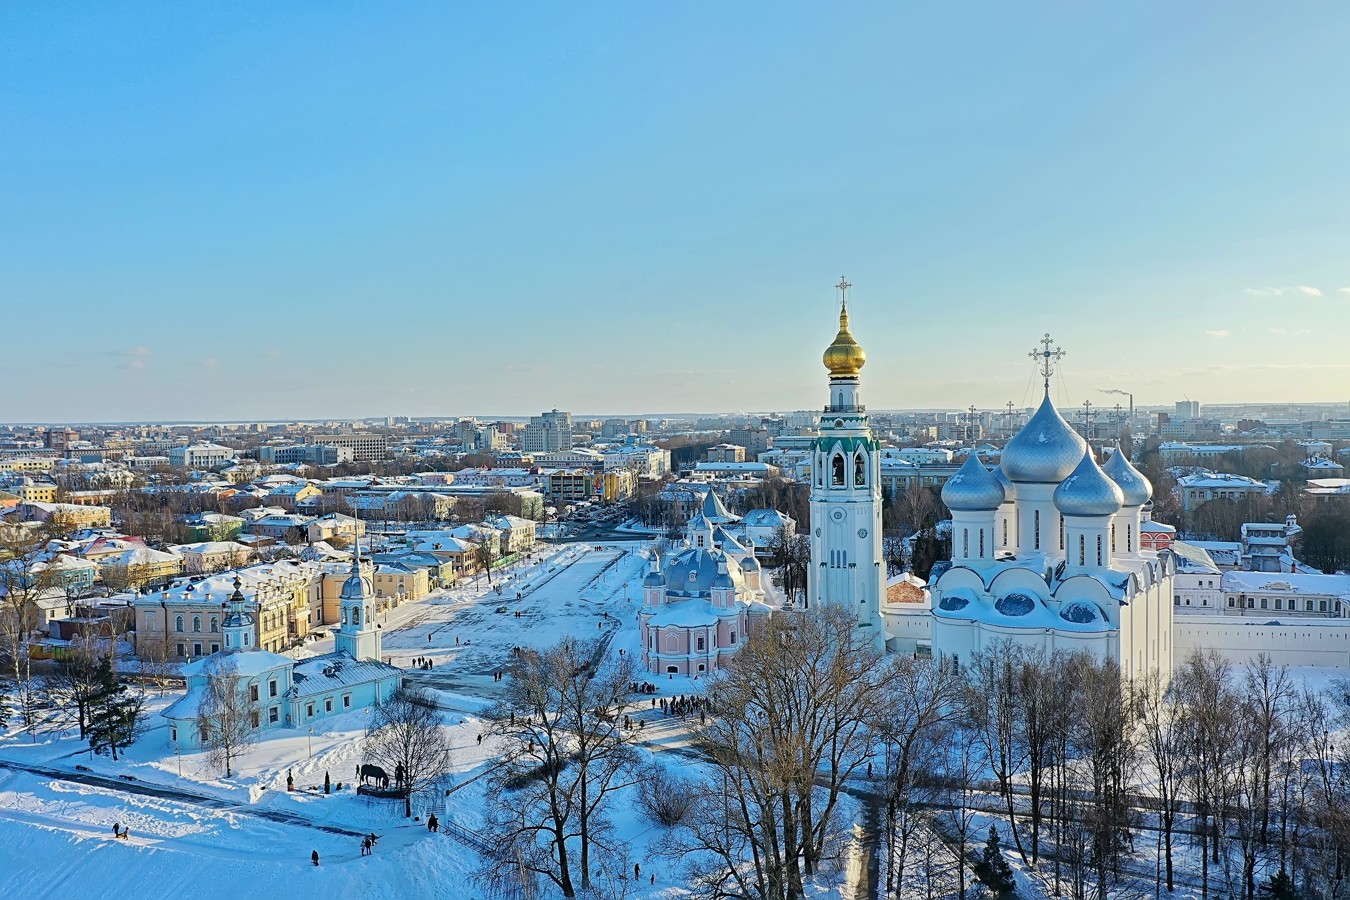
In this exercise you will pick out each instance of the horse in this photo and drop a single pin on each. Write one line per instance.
(373, 773)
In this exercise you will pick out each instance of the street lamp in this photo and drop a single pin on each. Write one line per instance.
(310, 742)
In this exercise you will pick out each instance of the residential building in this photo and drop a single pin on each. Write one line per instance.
(547, 433)
(1203, 487)
(365, 446)
(200, 456)
(726, 453)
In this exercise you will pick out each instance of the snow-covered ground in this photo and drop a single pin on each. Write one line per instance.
(195, 833)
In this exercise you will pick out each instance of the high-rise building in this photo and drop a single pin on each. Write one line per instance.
(548, 432)
(1188, 409)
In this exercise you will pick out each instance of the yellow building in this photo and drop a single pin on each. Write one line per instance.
(27, 464)
(31, 491)
(395, 584)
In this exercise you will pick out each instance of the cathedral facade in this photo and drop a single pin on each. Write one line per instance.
(1047, 552)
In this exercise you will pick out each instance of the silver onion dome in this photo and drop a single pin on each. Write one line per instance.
(1009, 492)
(1045, 451)
(972, 488)
(1088, 492)
(1132, 482)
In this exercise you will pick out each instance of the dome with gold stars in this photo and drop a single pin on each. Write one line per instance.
(844, 358)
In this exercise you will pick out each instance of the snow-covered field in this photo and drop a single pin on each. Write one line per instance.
(196, 834)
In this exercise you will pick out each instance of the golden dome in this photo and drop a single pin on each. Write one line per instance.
(844, 358)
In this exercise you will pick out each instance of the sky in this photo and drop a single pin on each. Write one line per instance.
(303, 210)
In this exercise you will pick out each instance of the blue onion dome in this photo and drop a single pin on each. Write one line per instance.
(749, 564)
(972, 488)
(723, 580)
(1132, 482)
(654, 579)
(1045, 451)
(1088, 492)
(1009, 492)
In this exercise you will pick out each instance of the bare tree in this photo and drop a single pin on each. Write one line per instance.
(23, 580)
(992, 706)
(1163, 743)
(405, 736)
(920, 702)
(795, 711)
(567, 754)
(226, 719)
(485, 550)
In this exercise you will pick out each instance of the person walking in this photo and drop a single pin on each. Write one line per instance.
(314, 857)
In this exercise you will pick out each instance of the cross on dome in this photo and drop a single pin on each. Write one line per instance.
(843, 287)
(1048, 357)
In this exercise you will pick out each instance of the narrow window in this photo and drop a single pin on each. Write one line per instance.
(837, 471)
(1113, 537)
(859, 471)
(253, 693)
(981, 543)
(346, 701)
(1129, 538)
(700, 643)
(1099, 549)
(1082, 550)
(215, 625)
(1036, 523)
(196, 624)
(965, 542)
(178, 624)
(1005, 532)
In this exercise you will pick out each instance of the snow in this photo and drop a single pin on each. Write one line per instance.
(195, 833)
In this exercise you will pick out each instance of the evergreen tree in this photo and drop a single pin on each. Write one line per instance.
(993, 870)
(1280, 887)
(113, 713)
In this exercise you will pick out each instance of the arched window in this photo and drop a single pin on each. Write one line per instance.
(837, 471)
(1099, 549)
(1036, 522)
(1082, 550)
(215, 625)
(859, 470)
(344, 617)
(356, 615)
(178, 623)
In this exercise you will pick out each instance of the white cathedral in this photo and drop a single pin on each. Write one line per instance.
(1045, 548)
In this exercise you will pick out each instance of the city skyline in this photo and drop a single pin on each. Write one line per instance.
(477, 211)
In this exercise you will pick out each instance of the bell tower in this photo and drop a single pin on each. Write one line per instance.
(357, 635)
(846, 562)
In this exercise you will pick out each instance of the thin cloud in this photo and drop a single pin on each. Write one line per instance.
(1306, 290)
(1344, 290)
(210, 363)
(1219, 333)
(1289, 332)
(138, 358)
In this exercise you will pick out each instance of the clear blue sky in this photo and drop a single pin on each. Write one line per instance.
(339, 209)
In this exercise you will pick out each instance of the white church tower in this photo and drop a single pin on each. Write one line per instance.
(238, 625)
(357, 635)
(846, 563)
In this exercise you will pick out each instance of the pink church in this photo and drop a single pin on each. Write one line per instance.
(699, 605)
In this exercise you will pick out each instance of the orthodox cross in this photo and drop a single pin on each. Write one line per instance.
(1009, 417)
(1048, 357)
(843, 287)
(1087, 418)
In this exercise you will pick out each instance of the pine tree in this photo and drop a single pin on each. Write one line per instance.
(1280, 887)
(993, 870)
(113, 713)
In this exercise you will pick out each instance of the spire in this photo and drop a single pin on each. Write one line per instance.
(844, 357)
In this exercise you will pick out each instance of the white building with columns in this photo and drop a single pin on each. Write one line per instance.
(847, 567)
(1046, 552)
